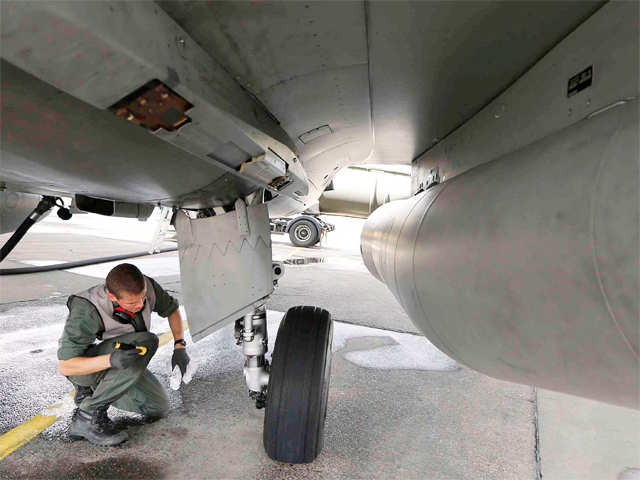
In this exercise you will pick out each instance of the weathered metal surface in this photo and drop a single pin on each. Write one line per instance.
(526, 268)
(307, 62)
(154, 106)
(14, 208)
(225, 266)
(52, 142)
(266, 168)
(358, 192)
(345, 65)
(100, 52)
(435, 64)
(537, 104)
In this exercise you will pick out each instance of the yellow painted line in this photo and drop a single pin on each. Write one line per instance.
(29, 429)
(292, 252)
(23, 433)
(164, 338)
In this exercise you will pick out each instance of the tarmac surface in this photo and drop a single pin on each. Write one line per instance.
(398, 407)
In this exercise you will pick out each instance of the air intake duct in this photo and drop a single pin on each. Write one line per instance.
(111, 208)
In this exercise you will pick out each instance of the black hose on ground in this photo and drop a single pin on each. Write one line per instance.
(43, 207)
(79, 263)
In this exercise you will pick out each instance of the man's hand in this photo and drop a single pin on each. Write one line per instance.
(121, 358)
(180, 358)
(182, 368)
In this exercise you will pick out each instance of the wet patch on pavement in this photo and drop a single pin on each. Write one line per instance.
(214, 431)
(128, 467)
(303, 260)
(387, 353)
(29, 363)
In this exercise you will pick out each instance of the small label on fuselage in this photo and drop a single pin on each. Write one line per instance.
(579, 82)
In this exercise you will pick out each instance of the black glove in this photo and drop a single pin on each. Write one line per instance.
(180, 358)
(122, 358)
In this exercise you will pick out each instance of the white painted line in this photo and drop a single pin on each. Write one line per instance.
(151, 266)
(42, 263)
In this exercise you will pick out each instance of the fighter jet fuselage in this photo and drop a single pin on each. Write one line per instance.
(517, 253)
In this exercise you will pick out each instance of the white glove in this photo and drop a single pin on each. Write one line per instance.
(177, 377)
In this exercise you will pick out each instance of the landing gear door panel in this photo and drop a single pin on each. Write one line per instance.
(225, 266)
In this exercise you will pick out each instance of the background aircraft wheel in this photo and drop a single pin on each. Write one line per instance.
(299, 386)
(303, 233)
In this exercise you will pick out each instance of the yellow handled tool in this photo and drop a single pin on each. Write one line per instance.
(128, 346)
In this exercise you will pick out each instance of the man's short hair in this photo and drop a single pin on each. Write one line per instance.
(125, 278)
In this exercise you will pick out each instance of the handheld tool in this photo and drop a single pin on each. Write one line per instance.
(128, 346)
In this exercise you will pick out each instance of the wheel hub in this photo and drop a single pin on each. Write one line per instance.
(303, 232)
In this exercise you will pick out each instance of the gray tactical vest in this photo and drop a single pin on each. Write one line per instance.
(112, 328)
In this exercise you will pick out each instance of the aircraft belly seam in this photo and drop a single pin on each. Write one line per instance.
(441, 343)
(594, 243)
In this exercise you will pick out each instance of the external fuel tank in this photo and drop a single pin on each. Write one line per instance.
(526, 268)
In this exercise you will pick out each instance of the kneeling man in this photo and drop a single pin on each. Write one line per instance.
(114, 370)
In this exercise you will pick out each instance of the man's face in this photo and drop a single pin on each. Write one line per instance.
(131, 301)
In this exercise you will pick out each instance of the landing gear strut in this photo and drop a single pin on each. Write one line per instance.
(295, 388)
(251, 333)
(227, 273)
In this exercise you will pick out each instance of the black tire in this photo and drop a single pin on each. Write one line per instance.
(303, 233)
(299, 386)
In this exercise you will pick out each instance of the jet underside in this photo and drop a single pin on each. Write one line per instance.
(327, 84)
(517, 254)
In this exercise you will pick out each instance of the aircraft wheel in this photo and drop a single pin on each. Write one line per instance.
(299, 386)
(303, 233)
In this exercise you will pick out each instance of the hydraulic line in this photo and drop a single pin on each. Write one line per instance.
(43, 207)
(79, 263)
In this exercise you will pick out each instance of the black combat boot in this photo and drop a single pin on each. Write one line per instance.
(104, 419)
(96, 427)
(82, 393)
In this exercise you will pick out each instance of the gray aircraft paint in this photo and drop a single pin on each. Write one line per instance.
(225, 266)
(389, 80)
(537, 104)
(96, 43)
(358, 191)
(14, 208)
(526, 267)
(310, 64)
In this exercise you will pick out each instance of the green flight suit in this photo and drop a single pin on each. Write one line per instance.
(135, 388)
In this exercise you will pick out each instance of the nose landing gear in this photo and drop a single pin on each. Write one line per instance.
(227, 272)
(251, 333)
(294, 389)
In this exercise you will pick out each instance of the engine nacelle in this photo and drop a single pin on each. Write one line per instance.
(527, 268)
(358, 191)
